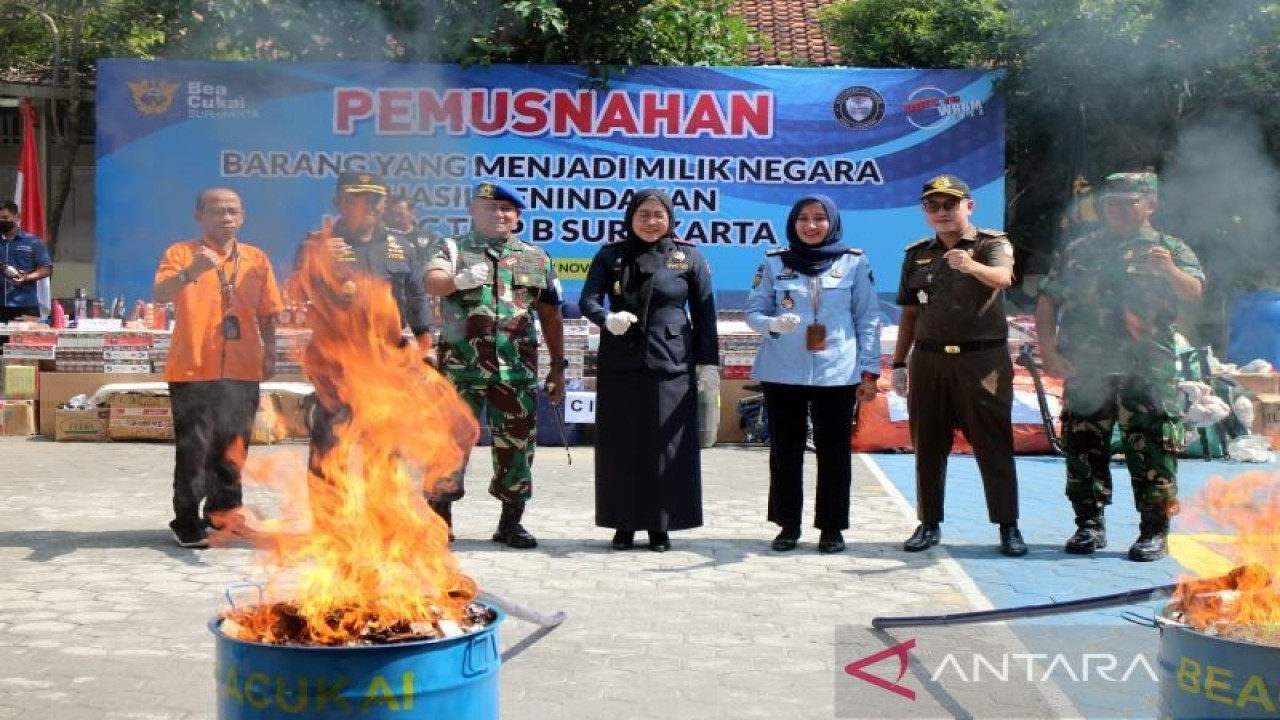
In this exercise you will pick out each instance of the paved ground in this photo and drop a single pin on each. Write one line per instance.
(103, 617)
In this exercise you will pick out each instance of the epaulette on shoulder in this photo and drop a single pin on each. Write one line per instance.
(991, 233)
(776, 251)
(855, 251)
(917, 244)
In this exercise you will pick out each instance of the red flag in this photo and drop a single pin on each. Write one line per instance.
(28, 194)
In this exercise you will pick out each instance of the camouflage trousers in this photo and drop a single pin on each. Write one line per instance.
(511, 409)
(1151, 436)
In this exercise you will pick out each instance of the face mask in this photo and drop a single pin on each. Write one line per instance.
(6, 226)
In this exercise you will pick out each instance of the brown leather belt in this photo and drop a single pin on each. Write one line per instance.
(959, 348)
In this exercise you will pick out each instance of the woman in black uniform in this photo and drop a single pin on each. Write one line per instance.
(657, 344)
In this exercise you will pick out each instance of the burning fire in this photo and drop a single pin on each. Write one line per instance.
(1234, 591)
(374, 564)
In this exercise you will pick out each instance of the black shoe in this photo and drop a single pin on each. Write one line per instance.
(659, 541)
(1011, 543)
(510, 532)
(623, 540)
(926, 536)
(830, 541)
(190, 538)
(786, 540)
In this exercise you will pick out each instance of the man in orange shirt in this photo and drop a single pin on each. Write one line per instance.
(226, 300)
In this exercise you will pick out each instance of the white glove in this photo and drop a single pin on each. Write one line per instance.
(473, 277)
(619, 322)
(899, 381)
(784, 323)
(709, 378)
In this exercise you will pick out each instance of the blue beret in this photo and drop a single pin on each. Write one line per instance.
(490, 190)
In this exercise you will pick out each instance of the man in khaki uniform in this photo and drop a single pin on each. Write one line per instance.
(960, 374)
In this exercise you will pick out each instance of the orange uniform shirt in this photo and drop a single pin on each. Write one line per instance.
(198, 350)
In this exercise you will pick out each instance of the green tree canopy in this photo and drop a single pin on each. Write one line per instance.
(1186, 87)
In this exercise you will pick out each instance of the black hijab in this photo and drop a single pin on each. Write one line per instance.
(645, 254)
(814, 259)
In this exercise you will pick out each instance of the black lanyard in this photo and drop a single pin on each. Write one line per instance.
(229, 283)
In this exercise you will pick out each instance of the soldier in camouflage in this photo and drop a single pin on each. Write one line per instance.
(491, 284)
(1105, 319)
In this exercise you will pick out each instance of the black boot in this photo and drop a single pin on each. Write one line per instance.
(510, 532)
(1011, 542)
(1091, 528)
(659, 541)
(1153, 533)
(444, 509)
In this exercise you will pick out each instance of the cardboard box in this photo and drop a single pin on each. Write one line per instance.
(1258, 383)
(731, 391)
(57, 387)
(30, 352)
(140, 417)
(126, 369)
(17, 418)
(1266, 417)
(81, 425)
(21, 382)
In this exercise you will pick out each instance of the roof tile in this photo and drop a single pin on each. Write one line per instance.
(790, 32)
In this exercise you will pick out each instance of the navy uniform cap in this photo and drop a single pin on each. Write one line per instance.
(946, 185)
(361, 182)
(490, 190)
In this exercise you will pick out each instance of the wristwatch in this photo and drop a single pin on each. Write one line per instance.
(560, 364)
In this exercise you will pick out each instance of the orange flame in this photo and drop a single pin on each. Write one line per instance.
(375, 556)
(1236, 562)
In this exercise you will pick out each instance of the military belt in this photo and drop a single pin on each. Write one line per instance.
(959, 348)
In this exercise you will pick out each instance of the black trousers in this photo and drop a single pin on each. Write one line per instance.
(209, 419)
(789, 408)
(974, 392)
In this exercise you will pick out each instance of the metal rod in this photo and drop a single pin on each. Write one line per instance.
(523, 613)
(1027, 611)
(555, 410)
(1027, 359)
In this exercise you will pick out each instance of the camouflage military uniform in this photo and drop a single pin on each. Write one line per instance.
(489, 350)
(1116, 329)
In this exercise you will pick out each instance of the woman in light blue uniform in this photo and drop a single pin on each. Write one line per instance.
(815, 303)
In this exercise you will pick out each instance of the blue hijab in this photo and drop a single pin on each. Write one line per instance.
(814, 259)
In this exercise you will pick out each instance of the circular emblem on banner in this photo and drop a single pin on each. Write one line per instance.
(858, 107)
(927, 107)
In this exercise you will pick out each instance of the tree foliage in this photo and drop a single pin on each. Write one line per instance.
(1095, 86)
(58, 41)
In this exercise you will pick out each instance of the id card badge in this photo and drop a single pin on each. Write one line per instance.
(231, 328)
(815, 337)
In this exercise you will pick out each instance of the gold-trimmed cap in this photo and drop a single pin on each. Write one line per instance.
(359, 182)
(946, 185)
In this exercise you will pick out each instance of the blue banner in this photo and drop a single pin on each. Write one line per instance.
(735, 147)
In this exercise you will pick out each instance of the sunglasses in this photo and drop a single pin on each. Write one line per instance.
(933, 206)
